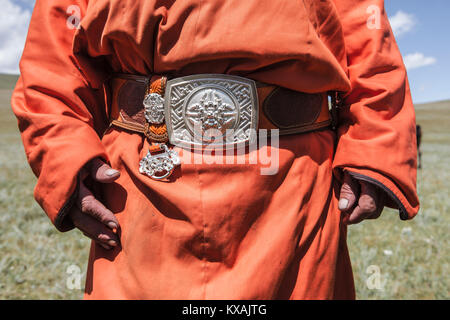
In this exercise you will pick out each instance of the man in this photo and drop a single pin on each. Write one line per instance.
(418, 141)
(90, 102)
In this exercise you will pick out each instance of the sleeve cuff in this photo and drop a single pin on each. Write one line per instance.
(57, 185)
(62, 222)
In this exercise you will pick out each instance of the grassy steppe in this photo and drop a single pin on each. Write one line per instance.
(413, 257)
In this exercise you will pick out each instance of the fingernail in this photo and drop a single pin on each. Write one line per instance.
(343, 204)
(111, 172)
(112, 225)
(112, 243)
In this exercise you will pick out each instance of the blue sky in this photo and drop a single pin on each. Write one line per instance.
(422, 29)
(428, 35)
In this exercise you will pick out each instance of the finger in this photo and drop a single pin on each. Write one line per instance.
(105, 246)
(88, 204)
(94, 229)
(349, 193)
(367, 204)
(381, 198)
(102, 172)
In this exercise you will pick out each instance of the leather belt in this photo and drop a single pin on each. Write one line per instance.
(289, 111)
(195, 111)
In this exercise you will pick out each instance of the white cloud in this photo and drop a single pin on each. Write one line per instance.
(14, 21)
(402, 22)
(417, 60)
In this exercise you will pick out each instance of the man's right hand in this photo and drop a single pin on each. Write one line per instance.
(90, 215)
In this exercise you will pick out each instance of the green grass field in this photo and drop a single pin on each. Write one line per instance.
(412, 257)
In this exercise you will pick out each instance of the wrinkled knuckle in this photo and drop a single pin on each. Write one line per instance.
(100, 215)
(369, 206)
(87, 205)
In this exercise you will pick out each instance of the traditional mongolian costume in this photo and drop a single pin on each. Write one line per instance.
(217, 230)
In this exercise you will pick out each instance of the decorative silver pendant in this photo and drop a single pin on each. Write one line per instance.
(159, 166)
(154, 108)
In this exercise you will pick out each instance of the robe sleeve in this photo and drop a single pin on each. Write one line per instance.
(376, 131)
(60, 116)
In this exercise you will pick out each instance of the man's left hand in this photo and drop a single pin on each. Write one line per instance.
(360, 200)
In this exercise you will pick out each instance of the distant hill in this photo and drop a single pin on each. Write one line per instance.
(435, 105)
(8, 81)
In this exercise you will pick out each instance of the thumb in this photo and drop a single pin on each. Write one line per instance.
(102, 172)
(349, 193)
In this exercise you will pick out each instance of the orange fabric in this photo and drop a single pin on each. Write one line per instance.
(220, 230)
(377, 131)
(225, 231)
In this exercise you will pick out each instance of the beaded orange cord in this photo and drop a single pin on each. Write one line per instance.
(157, 132)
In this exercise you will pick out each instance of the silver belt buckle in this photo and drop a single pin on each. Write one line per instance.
(211, 110)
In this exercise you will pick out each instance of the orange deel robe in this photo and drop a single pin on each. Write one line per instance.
(221, 230)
